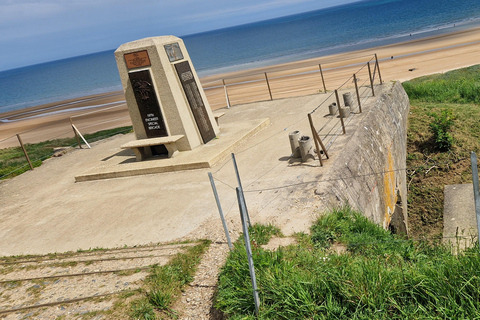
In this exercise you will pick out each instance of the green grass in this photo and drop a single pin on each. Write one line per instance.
(164, 284)
(430, 164)
(458, 86)
(13, 161)
(380, 276)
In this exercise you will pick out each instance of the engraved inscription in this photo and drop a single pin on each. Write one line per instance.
(137, 59)
(187, 76)
(195, 101)
(147, 103)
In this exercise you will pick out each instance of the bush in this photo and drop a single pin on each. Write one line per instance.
(440, 128)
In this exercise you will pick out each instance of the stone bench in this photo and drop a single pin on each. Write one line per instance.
(218, 115)
(138, 146)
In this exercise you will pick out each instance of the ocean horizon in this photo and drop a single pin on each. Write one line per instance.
(345, 28)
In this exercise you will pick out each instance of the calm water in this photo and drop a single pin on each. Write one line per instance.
(313, 34)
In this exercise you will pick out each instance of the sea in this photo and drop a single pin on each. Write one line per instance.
(344, 28)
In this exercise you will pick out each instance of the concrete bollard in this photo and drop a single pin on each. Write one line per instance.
(344, 112)
(347, 97)
(332, 108)
(306, 148)
(294, 145)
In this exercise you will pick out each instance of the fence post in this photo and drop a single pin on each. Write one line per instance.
(240, 186)
(246, 237)
(323, 80)
(476, 192)
(220, 211)
(76, 134)
(358, 94)
(378, 68)
(268, 85)
(24, 151)
(226, 94)
(340, 113)
(370, 76)
(317, 140)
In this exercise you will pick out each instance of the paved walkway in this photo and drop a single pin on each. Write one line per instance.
(45, 210)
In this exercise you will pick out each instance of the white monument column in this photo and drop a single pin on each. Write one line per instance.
(164, 95)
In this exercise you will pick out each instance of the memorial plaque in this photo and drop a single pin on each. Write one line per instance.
(148, 105)
(173, 52)
(137, 59)
(195, 101)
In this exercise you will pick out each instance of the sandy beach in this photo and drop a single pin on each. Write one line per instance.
(400, 62)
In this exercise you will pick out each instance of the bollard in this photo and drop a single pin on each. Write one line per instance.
(306, 148)
(332, 108)
(347, 97)
(294, 145)
(344, 112)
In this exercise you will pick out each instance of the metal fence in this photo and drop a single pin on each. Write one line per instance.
(355, 90)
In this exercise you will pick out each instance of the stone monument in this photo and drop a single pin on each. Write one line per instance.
(166, 102)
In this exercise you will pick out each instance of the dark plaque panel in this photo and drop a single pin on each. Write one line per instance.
(195, 100)
(147, 102)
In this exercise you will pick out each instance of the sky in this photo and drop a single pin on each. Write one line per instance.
(36, 31)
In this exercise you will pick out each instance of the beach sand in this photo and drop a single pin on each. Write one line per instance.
(400, 62)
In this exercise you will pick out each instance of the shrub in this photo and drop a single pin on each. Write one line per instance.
(440, 127)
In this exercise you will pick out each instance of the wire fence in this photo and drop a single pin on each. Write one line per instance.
(355, 91)
(280, 83)
(27, 149)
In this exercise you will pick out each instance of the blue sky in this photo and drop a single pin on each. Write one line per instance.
(35, 31)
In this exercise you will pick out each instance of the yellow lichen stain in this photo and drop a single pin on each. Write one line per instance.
(390, 194)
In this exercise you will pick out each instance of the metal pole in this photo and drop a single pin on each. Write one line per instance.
(226, 94)
(317, 147)
(81, 136)
(76, 134)
(370, 76)
(268, 85)
(240, 186)
(476, 192)
(246, 237)
(220, 211)
(323, 80)
(358, 95)
(24, 151)
(341, 118)
(378, 67)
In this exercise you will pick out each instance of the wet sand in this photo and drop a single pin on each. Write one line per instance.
(400, 62)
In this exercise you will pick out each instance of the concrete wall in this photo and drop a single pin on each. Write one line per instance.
(370, 173)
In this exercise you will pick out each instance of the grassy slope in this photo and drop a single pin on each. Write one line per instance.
(380, 276)
(428, 169)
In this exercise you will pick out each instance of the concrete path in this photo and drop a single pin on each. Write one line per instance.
(45, 210)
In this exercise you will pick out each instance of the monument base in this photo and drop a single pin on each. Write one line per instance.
(124, 164)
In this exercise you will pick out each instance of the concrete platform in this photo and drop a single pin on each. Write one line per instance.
(123, 163)
(459, 220)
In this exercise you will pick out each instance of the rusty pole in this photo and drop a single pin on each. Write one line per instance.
(378, 68)
(268, 85)
(341, 118)
(317, 147)
(370, 76)
(358, 94)
(76, 134)
(323, 79)
(24, 151)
